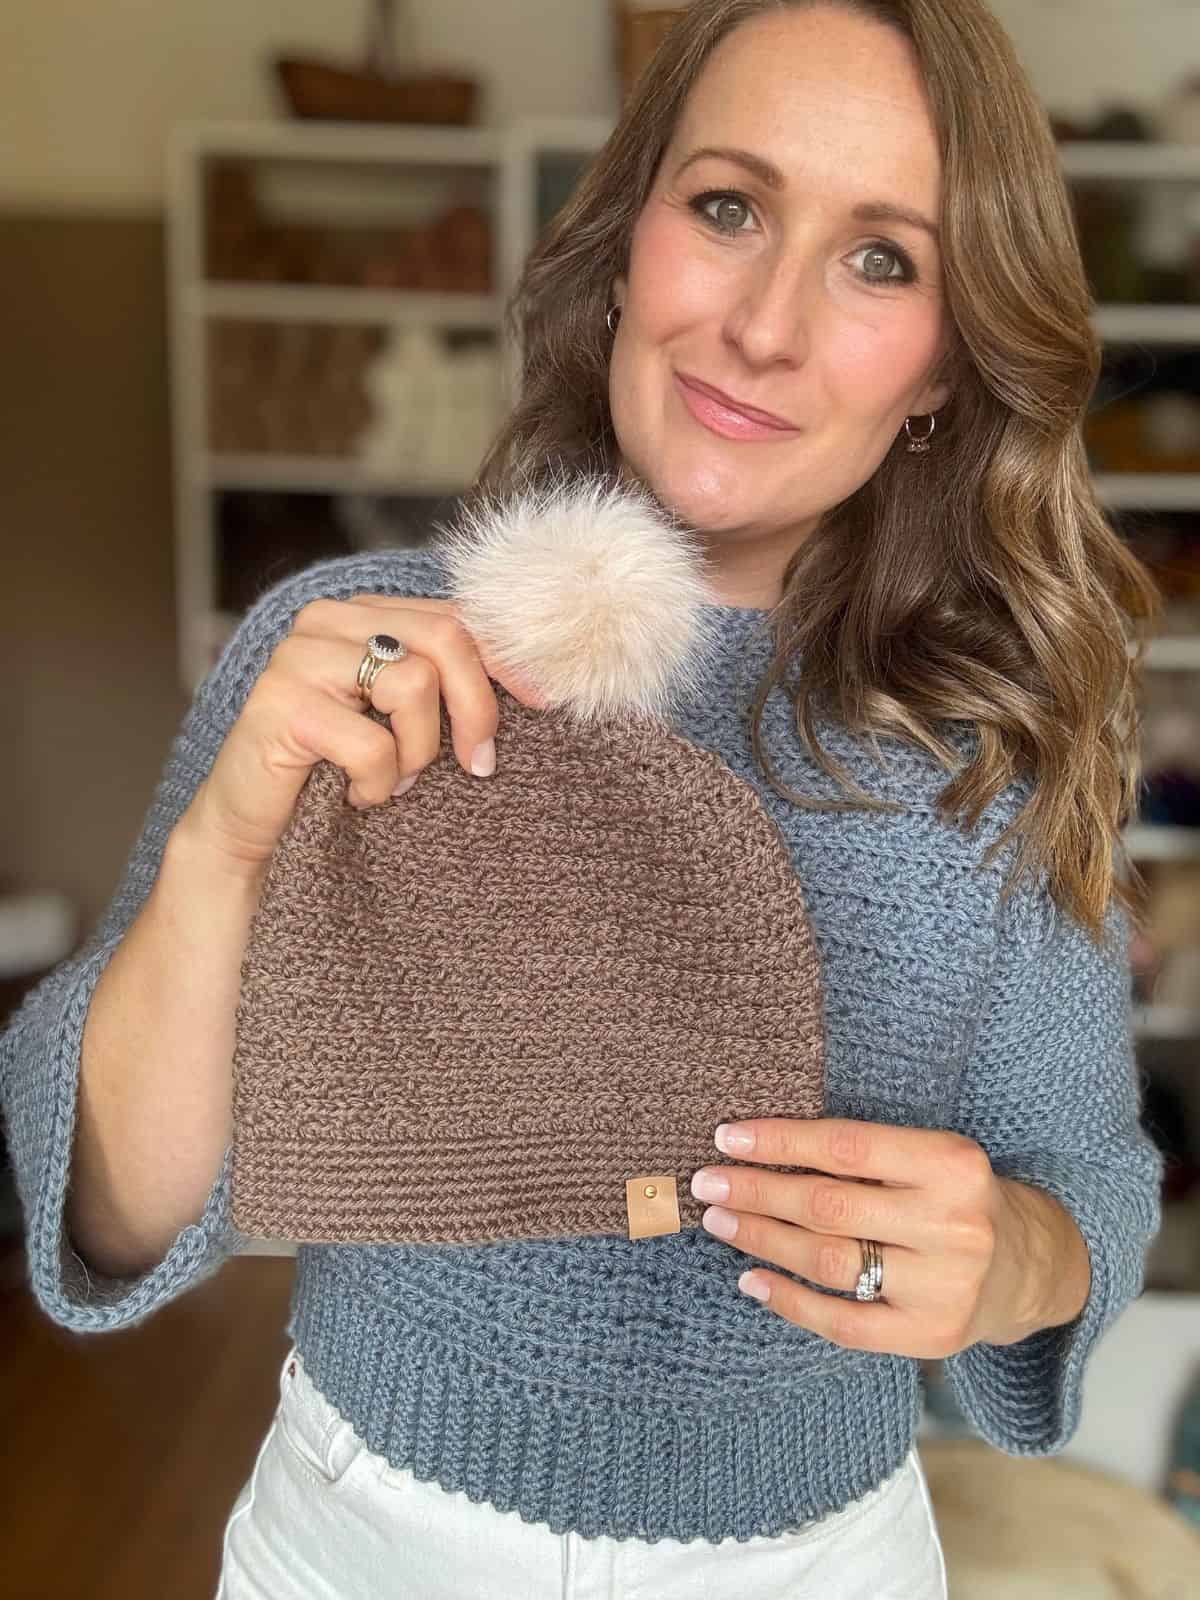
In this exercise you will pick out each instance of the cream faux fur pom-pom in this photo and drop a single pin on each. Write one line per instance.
(587, 591)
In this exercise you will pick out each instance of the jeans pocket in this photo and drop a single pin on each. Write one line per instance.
(319, 1438)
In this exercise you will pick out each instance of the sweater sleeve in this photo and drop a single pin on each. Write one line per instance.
(39, 1071)
(1051, 1092)
(40, 1046)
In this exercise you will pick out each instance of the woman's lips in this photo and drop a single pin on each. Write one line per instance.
(722, 419)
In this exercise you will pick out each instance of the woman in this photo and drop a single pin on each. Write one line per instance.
(890, 261)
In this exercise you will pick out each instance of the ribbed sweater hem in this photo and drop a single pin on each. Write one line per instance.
(588, 1462)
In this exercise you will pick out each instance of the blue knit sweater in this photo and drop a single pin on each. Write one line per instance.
(627, 1387)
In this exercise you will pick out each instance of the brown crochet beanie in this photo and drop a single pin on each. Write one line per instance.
(518, 1007)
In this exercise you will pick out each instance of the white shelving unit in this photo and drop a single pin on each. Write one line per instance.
(1150, 325)
(506, 158)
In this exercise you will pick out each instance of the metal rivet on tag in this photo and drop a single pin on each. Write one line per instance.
(652, 1205)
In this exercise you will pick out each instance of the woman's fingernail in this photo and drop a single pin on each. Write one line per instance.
(754, 1287)
(405, 785)
(708, 1185)
(483, 761)
(721, 1222)
(733, 1139)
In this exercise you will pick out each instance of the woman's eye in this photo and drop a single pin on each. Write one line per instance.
(702, 202)
(907, 273)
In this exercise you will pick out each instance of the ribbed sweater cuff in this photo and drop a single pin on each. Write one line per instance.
(70, 1292)
(1026, 1398)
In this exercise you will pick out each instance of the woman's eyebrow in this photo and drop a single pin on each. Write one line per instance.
(769, 175)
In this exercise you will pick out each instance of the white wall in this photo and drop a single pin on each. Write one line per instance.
(1137, 1380)
(88, 88)
(1084, 54)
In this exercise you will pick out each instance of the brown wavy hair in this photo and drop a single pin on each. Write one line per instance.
(978, 584)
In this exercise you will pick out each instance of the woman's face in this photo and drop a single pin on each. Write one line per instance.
(781, 296)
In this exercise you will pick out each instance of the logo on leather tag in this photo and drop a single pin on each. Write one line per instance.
(652, 1204)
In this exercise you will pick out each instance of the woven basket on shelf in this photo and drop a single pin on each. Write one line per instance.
(318, 89)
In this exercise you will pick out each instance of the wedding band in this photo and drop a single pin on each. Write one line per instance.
(381, 648)
(870, 1279)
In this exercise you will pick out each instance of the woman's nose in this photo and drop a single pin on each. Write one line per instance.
(773, 314)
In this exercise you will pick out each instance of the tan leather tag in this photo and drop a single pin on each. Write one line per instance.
(652, 1204)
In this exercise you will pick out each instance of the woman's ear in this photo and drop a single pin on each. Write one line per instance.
(938, 390)
(932, 399)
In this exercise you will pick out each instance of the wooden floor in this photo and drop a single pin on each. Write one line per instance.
(124, 1452)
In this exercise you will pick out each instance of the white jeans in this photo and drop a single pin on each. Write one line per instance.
(322, 1517)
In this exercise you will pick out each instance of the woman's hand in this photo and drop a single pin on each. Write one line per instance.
(304, 707)
(967, 1256)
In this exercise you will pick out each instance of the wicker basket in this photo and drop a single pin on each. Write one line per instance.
(317, 89)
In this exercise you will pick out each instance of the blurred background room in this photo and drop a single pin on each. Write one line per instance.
(253, 265)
